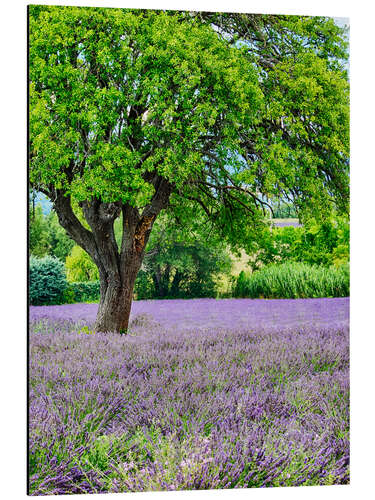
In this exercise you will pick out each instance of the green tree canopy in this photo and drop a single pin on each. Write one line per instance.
(323, 243)
(299, 150)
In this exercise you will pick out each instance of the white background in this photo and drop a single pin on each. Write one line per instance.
(13, 242)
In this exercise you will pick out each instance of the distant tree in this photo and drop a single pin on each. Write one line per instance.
(136, 112)
(79, 266)
(317, 242)
(60, 244)
(275, 246)
(184, 263)
(324, 243)
(46, 236)
(38, 232)
(284, 210)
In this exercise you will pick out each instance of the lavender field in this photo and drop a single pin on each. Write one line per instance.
(201, 394)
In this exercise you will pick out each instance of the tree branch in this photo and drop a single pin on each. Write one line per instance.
(69, 221)
(100, 217)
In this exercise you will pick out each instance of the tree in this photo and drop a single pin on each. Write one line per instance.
(322, 243)
(60, 244)
(300, 148)
(284, 211)
(183, 263)
(38, 232)
(79, 266)
(46, 236)
(136, 112)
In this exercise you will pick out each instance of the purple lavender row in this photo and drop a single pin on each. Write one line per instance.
(205, 313)
(287, 222)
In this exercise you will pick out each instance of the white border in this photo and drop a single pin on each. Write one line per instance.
(13, 232)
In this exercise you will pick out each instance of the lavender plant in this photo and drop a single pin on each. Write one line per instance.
(201, 394)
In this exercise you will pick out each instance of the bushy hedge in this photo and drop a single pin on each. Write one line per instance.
(294, 280)
(47, 281)
(83, 291)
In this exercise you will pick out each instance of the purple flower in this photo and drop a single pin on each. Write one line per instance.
(203, 394)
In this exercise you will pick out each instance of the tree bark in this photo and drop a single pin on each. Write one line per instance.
(116, 296)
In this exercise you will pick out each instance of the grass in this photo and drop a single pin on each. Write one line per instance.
(294, 280)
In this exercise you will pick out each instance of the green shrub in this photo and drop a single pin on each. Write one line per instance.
(241, 285)
(323, 243)
(84, 291)
(47, 280)
(144, 287)
(294, 280)
(316, 243)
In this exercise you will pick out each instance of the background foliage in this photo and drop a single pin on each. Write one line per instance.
(80, 267)
(316, 242)
(46, 236)
(47, 281)
(86, 291)
(183, 262)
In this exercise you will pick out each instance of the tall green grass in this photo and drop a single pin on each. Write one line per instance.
(294, 280)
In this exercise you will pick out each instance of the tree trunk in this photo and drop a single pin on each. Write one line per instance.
(161, 281)
(118, 268)
(115, 301)
(158, 282)
(175, 287)
(117, 282)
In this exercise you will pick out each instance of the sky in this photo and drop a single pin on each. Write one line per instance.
(341, 21)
